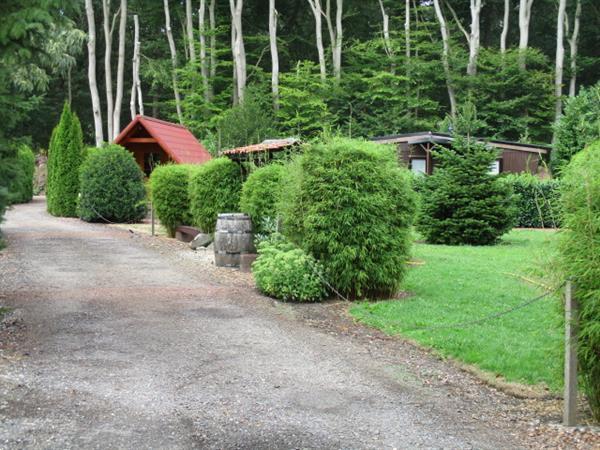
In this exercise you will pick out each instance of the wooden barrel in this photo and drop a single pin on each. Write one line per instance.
(233, 238)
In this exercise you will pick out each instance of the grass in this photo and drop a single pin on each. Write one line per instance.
(457, 284)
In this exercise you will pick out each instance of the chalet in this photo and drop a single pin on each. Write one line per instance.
(153, 141)
(414, 150)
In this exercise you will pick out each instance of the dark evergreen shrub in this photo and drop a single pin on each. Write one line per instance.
(580, 259)
(170, 187)
(64, 158)
(214, 189)
(112, 187)
(21, 188)
(462, 203)
(537, 201)
(284, 271)
(350, 205)
(261, 193)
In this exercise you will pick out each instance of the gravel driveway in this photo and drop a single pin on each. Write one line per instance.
(122, 343)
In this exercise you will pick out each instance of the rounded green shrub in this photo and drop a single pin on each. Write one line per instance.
(284, 271)
(214, 189)
(580, 259)
(65, 155)
(112, 187)
(349, 205)
(170, 187)
(21, 187)
(537, 201)
(260, 194)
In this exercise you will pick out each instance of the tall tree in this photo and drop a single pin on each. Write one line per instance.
(239, 52)
(560, 57)
(190, 30)
(573, 48)
(473, 37)
(136, 88)
(213, 47)
(108, 82)
(524, 19)
(173, 60)
(274, 54)
(335, 35)
(505, 21)
(446, 55)
(407, 28)
(315, 6)
(203, 60)
(89, 9)
(387, 41)
(120, 71)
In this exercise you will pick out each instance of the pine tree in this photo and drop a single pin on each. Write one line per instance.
(64, 158)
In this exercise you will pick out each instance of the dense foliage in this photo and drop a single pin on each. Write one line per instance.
(536, 200)
(170, 186)
(21, 187)
(462, 203)
(577, 128)
(112, 187)
(350, 206)
(65, 154)
(580, 251)
(214, 189)
(284, 271)
(261, 194)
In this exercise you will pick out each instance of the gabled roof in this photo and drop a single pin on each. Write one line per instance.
(266, 145)
(176, 140)
(444, 138)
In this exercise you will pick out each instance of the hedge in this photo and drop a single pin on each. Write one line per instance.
(112, 187)
(537, 200)
(260, 194)
(170, 188)
(214, 188)
(21, 187)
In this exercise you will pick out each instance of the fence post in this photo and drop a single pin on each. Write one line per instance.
(571, 325)
(152, 216)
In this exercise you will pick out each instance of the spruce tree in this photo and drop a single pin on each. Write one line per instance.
(64, 158)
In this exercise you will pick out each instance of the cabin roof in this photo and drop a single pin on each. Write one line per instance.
(267, 145)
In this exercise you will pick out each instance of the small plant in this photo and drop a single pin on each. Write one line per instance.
(112, 186)
(580, 259)
(260, 195)
(170, 187)
(284, 271)
(214, 188)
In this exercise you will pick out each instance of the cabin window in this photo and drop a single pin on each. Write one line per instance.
(495, 167)
(418, 165)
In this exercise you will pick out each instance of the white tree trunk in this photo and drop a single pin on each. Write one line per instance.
(107, 67)
(335, 36)
(573, 50)
(505, 26)
(213, 48)
(274, 54)
(474, 37)
(89, 9)
(120, 71)
(173, 60)
(387, 42)
(524, 19)
(407, 28)
(190, 30)
(315, 6)
(445, 54)
(236, 7)
(203, 60)
(136, 88)
(236, 100)
(560, 57)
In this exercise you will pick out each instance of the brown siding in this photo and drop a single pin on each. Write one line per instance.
(516, 162)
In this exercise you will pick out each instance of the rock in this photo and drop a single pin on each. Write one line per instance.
(201, 240)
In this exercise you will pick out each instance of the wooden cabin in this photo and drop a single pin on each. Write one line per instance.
(414, 151)
(153, 141)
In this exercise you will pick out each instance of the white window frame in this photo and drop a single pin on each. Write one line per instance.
(418, 172)
(496, 167)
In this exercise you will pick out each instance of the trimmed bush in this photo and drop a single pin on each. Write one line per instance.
(214, 189)
(21, 188)
(462, 203)
(284, 271)
(170, 187)
(580, 259)
(112, 187)
(350, 205)
(65, 155)
(260, 194)
(537, 201)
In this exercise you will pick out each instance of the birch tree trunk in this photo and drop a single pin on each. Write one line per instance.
(107, 67)
(560, 57)
(505, 26)
(387, 42)
(173, 60)
(213, 48)
(315, 6)
(274, 54)
(89, 10)
(120, 71)
(474, 37)
(524, 19)
(136, 88)
(445, 54)
(407, 28)
(573, 50)
(203, 60)
(190, 30)
(236, 7)
(236, 100)
(335, 35)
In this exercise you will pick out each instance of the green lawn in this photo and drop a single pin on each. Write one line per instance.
(457, 284)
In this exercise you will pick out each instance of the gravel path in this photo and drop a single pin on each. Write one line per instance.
(121, 341)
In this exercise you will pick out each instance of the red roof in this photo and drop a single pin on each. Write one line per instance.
(176, 140)
(274, 144)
